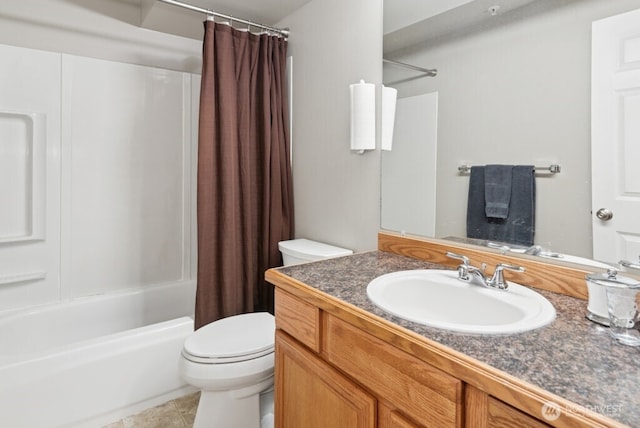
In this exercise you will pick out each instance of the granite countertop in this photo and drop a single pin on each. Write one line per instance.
(572, 357)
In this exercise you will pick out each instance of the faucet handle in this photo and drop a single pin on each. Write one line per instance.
(464, 259)
(515, 268)
(497, 280)
(463, 269)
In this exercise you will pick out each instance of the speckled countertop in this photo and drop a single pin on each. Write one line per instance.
(572, 357)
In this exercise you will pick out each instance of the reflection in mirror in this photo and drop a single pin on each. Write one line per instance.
(511, 88)
(537, 251)
(411, 208)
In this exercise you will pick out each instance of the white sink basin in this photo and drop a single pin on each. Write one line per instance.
(437, 298)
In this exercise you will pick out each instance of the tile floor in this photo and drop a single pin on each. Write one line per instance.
(178, 413)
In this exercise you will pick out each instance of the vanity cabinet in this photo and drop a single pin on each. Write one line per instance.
(340, 362)
(332, 373)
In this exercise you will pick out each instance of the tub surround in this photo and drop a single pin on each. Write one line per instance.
(572, 363)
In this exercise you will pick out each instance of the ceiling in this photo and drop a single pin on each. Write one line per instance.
(406, 22)
(402, 13)
(416, 21)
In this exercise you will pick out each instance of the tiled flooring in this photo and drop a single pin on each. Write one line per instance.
(178, 413)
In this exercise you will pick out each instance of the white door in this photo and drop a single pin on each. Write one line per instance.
(615, 137)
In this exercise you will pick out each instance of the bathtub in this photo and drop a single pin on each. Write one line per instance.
(92, 361)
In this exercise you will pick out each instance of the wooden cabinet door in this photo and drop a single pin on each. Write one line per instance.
(311, 394)
(388, 418)
(501, 415)
(485, 411)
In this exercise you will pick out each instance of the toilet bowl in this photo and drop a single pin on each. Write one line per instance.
(232, 360)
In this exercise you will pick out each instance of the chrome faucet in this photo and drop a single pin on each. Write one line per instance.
(629, 264)
(534, 250)
(469, 273)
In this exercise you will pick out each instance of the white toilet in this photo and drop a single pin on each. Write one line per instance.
(231, 360)
(298, 251)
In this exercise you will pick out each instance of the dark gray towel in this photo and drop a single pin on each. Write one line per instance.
(519, 226)
(497, 190)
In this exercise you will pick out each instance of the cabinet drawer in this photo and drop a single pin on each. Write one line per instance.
(388, 418)
(298, 318)
(408, 384)
(502, 415)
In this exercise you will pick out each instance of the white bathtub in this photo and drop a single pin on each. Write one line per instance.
(94, 360)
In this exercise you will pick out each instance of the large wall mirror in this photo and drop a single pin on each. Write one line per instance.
(513, 86)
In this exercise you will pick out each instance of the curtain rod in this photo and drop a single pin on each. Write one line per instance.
(284, 32)
(428, 72)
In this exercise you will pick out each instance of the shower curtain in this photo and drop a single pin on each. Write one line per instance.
(245, 198)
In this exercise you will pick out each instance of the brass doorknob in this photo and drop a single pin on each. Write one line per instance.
(604, 214)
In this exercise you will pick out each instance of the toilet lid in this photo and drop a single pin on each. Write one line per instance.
(237, 338)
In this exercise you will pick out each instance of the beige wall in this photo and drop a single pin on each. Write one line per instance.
(518, 92)
(337, 193)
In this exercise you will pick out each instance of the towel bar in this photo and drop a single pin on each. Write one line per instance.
(552, 169)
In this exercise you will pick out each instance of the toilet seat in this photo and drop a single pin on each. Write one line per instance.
(231, 340)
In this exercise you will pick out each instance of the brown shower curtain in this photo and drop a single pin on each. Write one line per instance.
(245, 200)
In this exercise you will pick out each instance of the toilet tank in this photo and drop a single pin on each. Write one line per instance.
(298, 251)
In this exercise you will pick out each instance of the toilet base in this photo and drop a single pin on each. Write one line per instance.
(242, 408)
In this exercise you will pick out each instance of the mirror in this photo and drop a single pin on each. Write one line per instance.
(513, 87)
